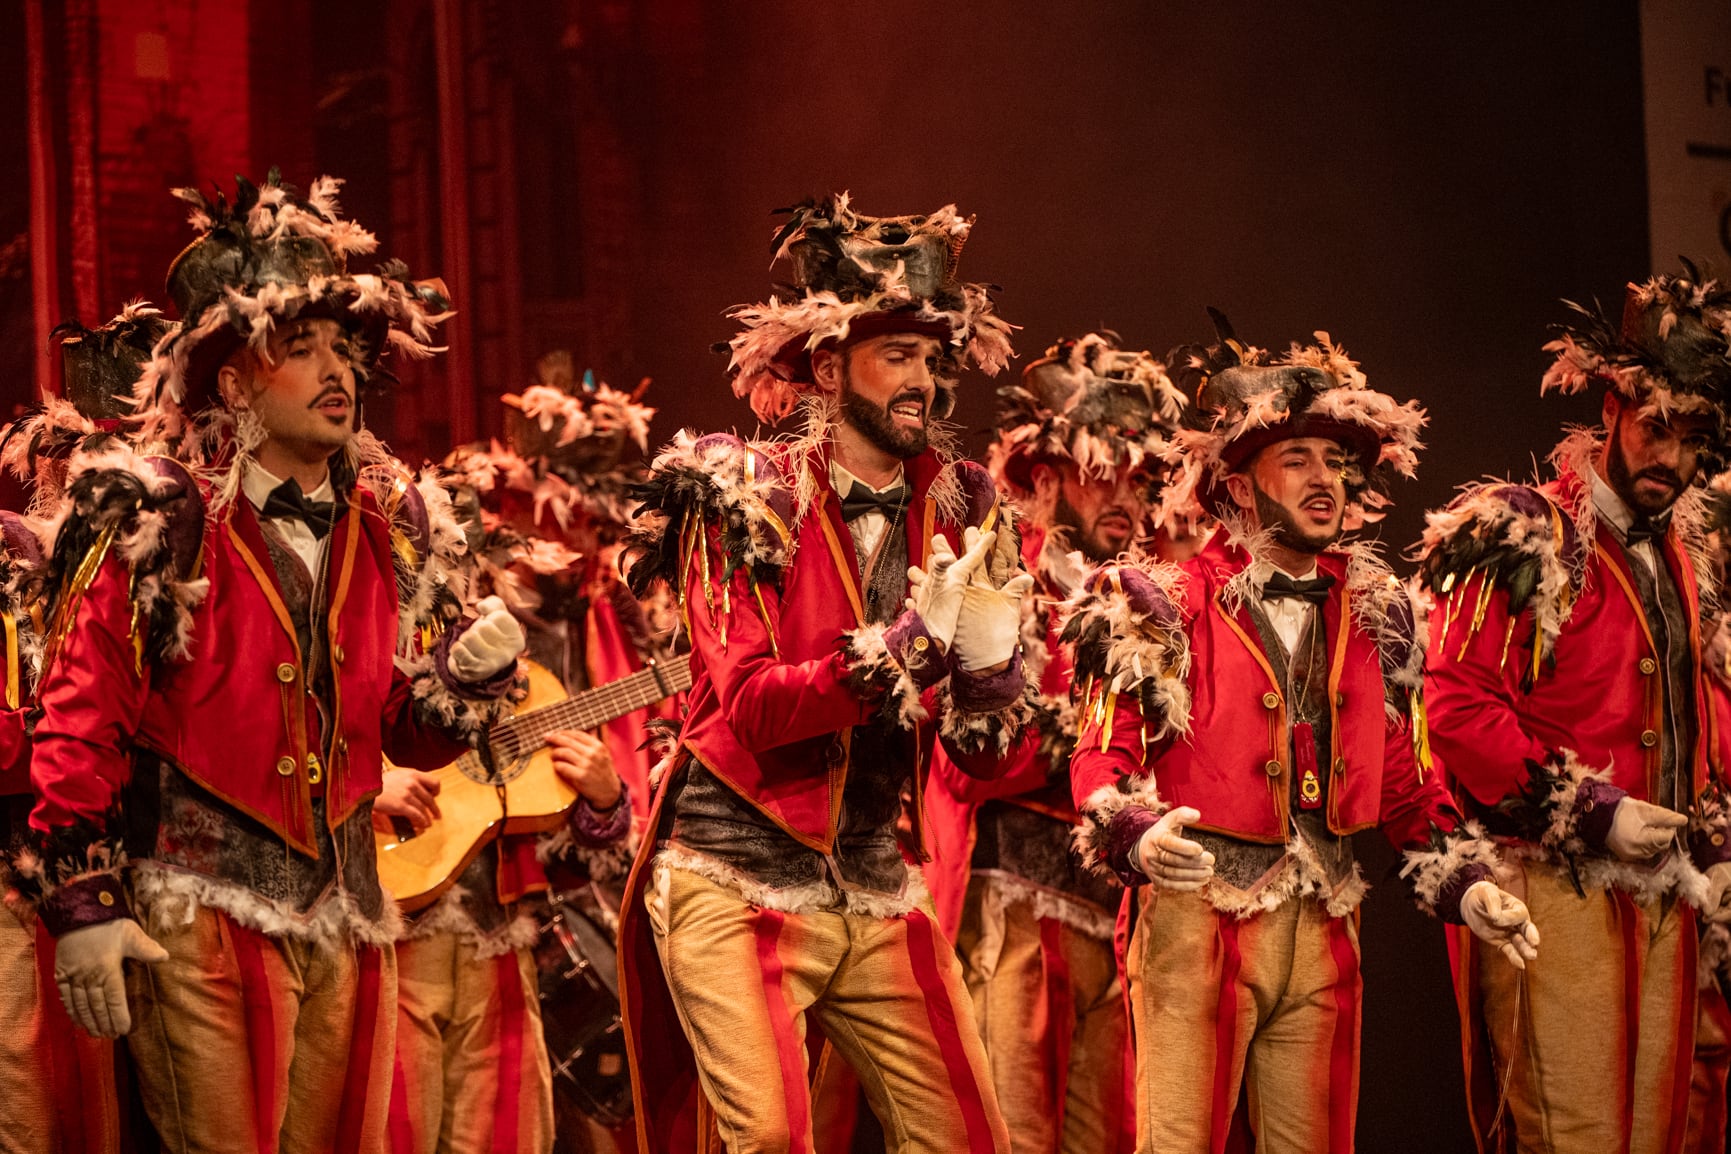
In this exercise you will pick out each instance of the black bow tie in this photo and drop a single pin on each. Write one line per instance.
(1314, 589)
(1645, 529)
(861, 500)
(286, 501)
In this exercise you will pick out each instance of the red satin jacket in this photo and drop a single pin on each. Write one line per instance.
(236, 716)
(770, 709)
(1235, 767)
(1601, 697)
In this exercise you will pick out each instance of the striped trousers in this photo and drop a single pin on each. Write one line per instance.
(1601, 1029)
(886, 991)
(1270, 1003)
(248, 1042)
(471, 1073)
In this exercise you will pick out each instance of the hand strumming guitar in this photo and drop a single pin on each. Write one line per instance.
(582, 761)
(410, 795)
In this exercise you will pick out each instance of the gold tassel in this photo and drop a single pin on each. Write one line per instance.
(701, 543)
(1420, 731)
(763, 612)
(73, 592)
(1109, 705)
(1508, 635)
(12, 670)
(726, 612)
(1538, 646)
(1486, 585)
(1447, 604)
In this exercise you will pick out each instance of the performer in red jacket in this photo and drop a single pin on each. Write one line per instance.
(472, 1070)
(58, 1083)
(1079, 445)
(773, 890)
(1568, 703)
(1241, 715)
(224, 667)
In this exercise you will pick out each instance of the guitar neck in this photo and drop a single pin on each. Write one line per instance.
(594, 707)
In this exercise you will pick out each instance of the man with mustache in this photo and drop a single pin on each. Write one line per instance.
(1079, 445)
(772, 890)
(1569, 706)
(1240, 715)
(230, 652)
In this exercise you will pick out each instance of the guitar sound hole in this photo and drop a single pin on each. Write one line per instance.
(509, 768)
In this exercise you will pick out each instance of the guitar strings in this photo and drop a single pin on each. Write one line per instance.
(587, 712)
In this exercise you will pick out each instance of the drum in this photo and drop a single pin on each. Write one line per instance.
(579, 989)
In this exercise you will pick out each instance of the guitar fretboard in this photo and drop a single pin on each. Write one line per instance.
(593, 707)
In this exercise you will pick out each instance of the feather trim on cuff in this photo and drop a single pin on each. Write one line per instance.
(1441, 873)
(872, 672)
(72, 874)
(1565, 805)
(1109, 815)
(981, 731)
(1710, 828)
(437, 704)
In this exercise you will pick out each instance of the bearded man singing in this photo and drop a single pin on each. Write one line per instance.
(774, 889)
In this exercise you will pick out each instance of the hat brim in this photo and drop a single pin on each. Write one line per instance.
(1359, 440)
(207, 357)
(1363, 443)
(792, 362)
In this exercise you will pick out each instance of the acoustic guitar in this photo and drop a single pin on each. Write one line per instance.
(512, 789)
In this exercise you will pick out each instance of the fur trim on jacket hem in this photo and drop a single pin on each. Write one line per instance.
(168, 898)
(815, 897)
(450, 915)
(1082, 916)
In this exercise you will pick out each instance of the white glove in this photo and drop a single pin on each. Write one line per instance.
(1171, 860)
(1640, 830)
(1718, 891)
(490, 643)
(88, 968)
(936, 594)
(1500, 919)
(990, 623)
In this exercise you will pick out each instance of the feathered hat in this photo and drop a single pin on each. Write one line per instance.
(1668, 354)
(1090, 402)
(1244, 400)
(268, 258)
(855, 277)
(573, 446)
(99, 368)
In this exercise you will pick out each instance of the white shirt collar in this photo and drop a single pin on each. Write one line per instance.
(1610, 506)
(842, 480)
(258, 482)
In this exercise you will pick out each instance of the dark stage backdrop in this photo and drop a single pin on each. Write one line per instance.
(1423, 184)
(1421, 181)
